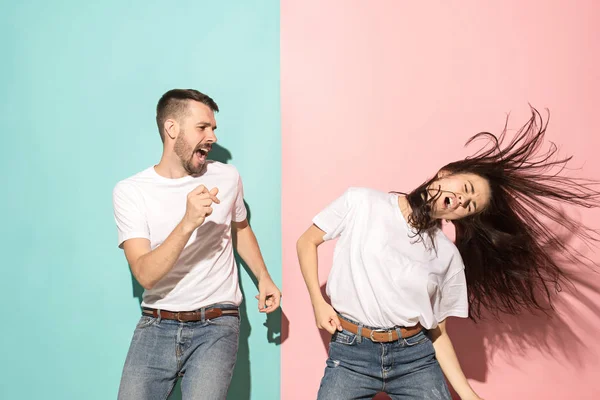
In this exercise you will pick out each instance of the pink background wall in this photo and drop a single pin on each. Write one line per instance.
(381, 94)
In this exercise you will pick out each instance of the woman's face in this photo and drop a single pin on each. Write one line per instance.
(458, 195)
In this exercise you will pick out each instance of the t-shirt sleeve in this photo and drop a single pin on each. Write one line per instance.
(128, 207)
(239, 212)
(333, 219)
(452, 299)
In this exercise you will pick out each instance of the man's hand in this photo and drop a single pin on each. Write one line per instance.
(269, 296)
(326, 317)
(199, 206)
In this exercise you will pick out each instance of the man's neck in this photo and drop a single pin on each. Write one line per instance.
(170, 168)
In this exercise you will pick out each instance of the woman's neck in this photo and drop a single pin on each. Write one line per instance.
(405, 208)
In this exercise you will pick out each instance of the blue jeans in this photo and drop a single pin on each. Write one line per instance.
(358, 368)
(203, 353)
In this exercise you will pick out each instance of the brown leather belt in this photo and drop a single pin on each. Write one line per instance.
(381, 335)
(190, 316)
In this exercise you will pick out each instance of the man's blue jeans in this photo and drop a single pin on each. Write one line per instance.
(203, 353)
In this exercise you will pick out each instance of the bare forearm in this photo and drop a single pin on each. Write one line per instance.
(309, 265)
(248, 248)
(153, 266)
(446, 356)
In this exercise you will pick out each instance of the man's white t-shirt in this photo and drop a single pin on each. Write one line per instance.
(382, 274)
(150, 206)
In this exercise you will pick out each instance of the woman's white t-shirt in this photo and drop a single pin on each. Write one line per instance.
(382, 274)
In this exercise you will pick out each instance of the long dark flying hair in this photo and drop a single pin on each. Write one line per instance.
(513, 249)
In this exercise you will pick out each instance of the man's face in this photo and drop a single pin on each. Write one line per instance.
(196, 137)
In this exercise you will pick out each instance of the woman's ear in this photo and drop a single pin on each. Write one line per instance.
(442, 173)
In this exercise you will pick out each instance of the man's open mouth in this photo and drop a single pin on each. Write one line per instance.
(201, 153)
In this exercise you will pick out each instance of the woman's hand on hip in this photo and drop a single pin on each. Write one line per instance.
(326, 317)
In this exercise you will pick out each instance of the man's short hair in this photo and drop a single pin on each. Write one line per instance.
(174, 103)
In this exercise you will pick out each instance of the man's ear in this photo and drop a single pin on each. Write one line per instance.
(171, 128)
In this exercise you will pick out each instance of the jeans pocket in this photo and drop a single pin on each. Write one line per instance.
(343, 337)
(145, 322)
(415, 340)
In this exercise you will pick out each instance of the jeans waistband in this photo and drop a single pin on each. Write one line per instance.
(222, 306)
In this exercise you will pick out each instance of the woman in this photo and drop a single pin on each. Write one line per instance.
(396, 277)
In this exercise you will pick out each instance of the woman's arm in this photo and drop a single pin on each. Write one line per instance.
(325, 316)
(444, 352)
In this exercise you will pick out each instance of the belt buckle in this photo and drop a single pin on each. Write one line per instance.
(177, 317)
(390, 333)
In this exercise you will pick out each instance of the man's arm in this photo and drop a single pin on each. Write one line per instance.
(150, 266)
(247, 247)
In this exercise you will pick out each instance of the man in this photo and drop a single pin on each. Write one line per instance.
(178, 222)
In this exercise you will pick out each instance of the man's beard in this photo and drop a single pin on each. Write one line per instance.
(186, 153)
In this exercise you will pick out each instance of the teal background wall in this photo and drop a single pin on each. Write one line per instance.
(80, 82)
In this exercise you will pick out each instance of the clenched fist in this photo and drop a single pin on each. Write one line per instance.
(199, 205)
(326, 317)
